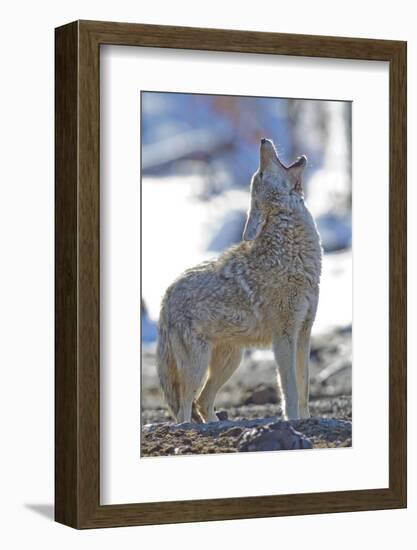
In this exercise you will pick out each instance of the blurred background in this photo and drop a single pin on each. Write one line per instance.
(198, 153)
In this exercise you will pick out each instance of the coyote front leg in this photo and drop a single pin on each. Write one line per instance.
(285, 356)
(303, 370)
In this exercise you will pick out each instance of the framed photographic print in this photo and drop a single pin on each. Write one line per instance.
(230, 274)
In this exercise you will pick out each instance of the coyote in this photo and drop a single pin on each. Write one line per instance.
(259, 292)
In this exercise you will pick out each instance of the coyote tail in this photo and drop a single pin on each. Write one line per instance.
(167, 369)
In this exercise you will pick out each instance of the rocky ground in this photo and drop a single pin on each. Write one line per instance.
(249, 409)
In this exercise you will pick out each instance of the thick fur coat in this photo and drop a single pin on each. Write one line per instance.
(262, 292)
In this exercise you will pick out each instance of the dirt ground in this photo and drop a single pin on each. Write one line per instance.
(249, 409)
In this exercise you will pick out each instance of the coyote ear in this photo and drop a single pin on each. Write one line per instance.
(295, 172)
(254, 224)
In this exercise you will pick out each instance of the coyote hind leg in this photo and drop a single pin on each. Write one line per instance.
(224, 361)
(192, 363)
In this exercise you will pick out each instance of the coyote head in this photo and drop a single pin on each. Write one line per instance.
(271, 185)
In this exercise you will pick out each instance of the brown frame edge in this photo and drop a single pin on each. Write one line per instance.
(77, 376)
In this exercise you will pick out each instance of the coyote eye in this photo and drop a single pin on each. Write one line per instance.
(261, 174)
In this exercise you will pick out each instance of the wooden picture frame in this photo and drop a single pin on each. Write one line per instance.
(77, 372)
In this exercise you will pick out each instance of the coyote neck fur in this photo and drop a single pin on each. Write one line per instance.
(289, 244)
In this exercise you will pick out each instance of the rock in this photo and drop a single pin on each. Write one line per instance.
(232, 432)
(273, 437)
(261, 395)
(245, 434)
(222, 415)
